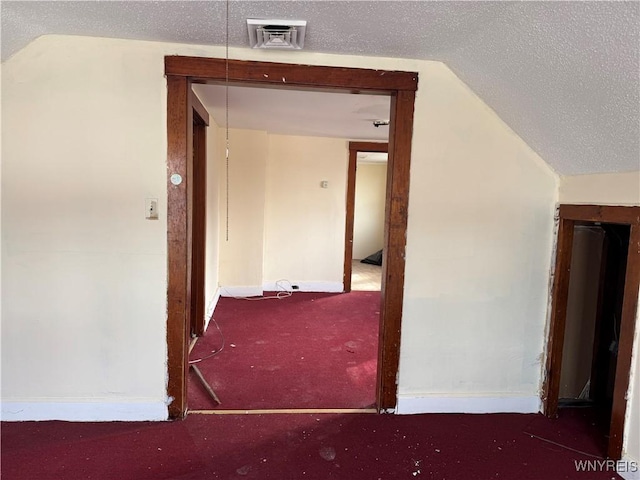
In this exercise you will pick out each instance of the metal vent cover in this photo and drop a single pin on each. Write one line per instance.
(276, 34)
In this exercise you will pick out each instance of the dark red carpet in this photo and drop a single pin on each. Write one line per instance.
(283, 447)
(311, 350)
(576, 429)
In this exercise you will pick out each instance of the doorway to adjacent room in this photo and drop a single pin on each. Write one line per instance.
(594, 306)
(400, 86)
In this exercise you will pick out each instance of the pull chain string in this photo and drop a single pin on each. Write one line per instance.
(227, 115)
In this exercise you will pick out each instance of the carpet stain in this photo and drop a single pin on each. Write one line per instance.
(328, 453)
(245, 469)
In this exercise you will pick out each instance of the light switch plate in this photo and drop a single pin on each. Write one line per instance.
(151, 208)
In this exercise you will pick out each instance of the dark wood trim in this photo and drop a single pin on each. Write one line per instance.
(400, 135)
(202, 113)
(354, 148)
(559, 296)
(601, 213)
(377, 147)
(293, 75)
(400, 86)
(625, 347)
(199, 224)
(349, 220)
(569, 216)
(178, 121)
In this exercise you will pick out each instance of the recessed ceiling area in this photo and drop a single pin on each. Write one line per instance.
(562, 75)
(295, 112)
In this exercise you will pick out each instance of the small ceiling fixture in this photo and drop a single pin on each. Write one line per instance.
(380, 123)
(276, 34)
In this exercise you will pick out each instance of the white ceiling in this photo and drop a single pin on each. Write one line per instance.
(372, 157)
(563, 75)
(295, 112)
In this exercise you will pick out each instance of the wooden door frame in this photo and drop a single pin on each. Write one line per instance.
(198, 201)
(181, 72)
(569, 216)
(354, 148)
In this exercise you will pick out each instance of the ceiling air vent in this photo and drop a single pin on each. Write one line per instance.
(276, 34)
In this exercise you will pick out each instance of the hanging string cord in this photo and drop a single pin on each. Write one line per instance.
(227, 116)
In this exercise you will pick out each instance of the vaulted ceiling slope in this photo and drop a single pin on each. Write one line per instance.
(563, 75)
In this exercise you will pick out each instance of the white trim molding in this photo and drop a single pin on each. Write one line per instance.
(410, 404)
(280, 285)
(318, 287)
(248, 291)
(84, 411)
(211, 308)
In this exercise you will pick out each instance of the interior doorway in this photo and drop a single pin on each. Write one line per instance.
(594, 306)
(311, 348)
(400, 86)
(354, 149)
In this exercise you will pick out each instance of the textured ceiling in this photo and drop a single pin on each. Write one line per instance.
(563, 75)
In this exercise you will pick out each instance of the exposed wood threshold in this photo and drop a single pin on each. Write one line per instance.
(283, 410)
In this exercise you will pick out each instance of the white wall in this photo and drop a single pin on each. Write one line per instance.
(368, 221)
(304, 236)
(241, 254)
(215, 163)
(84, 275)
(614, 189)
(478, 257)
(602, 189)
(282, 224)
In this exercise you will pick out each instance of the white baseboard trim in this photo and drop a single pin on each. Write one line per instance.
(318, 287)
(628, 468)
(250, 291)
(409, 404)
(83, 411)
(211, 308)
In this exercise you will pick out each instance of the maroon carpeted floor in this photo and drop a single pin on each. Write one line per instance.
(283, 447)
(575, 429)
(311, 350)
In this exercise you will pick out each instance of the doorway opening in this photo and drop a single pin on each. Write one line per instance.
(308, 347)
(594, 305)
(181, 73)
(368, 274)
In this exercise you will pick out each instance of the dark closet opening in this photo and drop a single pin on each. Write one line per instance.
(592, 331)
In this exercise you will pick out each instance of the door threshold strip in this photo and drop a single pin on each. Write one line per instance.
(269, 411)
